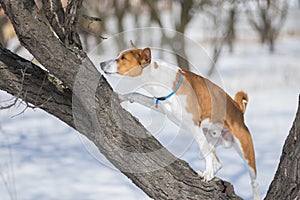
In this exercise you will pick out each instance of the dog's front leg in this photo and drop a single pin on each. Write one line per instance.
(144, 100)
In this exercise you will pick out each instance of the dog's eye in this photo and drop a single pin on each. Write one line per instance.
(123, 57)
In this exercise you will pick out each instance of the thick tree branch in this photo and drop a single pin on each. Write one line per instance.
(30, 83)
(95, 111)
(35, 35)
(63, 23)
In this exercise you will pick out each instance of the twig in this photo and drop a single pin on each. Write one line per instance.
(103, 38)
(54, 13)
(93, 19)
(71, 19)
(10, 105)
(19, 94)
(40, 89)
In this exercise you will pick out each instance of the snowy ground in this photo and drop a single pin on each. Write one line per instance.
(42, 158)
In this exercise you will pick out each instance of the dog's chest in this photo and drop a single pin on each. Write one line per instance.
(176, 110)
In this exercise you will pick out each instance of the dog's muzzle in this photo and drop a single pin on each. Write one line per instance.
(109, 67)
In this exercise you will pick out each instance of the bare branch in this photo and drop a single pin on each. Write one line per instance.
(37, 37)
(185, 15)
(29, 83)
(88, 28)
(269, 20)
(71, 23)
(15, 99)
(282, 18)
(153, 12)
(55, 14)
(97, 19)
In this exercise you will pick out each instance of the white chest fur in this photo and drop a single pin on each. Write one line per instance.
(158, 78)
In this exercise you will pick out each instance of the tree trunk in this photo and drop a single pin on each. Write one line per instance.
(286, 183)
(271, 44)
(231, 36)
(85, 101)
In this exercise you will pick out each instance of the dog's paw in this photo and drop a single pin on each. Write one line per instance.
(125, 97)
(121, 98)
(207, 175)
(200, 173)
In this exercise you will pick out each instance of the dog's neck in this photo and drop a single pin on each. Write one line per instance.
(159, 77)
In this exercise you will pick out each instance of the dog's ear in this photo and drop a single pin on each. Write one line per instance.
(132, 45)
(145, 58)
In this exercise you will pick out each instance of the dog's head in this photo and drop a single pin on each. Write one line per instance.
(128, 63)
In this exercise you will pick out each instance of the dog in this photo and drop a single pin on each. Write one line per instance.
(207, 111)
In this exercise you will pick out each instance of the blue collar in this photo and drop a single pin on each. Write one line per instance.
(157, 99)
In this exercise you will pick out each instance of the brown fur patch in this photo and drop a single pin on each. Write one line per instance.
(132, 62)
(206, 100)
(155, 65)
(241, 98)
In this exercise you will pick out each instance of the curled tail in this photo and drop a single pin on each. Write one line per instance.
(241, 98)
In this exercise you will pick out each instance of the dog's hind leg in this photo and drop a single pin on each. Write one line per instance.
(212, 164)
(252, 173)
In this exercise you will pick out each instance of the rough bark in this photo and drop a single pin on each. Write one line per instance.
(30, 83)
(54, 12)
(88, 104)
(70, 24)
(286, 183)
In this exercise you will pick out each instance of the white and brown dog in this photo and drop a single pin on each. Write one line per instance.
(207, 111)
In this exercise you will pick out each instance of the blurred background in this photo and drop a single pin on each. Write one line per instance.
(250, 45)
(218, 25)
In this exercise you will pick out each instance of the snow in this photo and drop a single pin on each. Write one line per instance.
(49, 162)
(42, 158)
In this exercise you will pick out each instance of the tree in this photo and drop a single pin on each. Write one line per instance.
(93, 101)
(180, 23)
(72, 90)
(267, 18)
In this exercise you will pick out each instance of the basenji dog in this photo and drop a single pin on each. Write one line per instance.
(192, 102)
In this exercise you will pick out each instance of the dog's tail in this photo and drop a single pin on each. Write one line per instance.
(241, 98)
